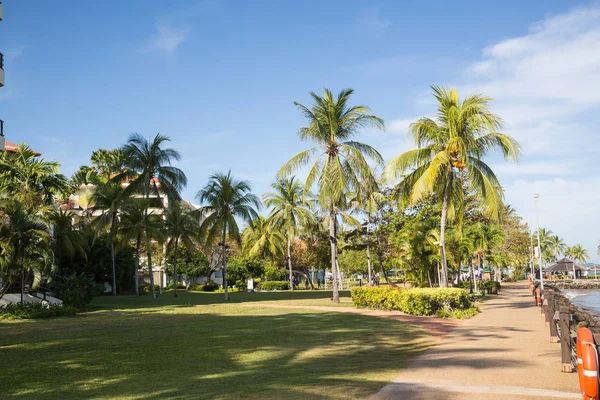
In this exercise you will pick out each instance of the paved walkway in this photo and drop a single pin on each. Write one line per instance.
(502, 353)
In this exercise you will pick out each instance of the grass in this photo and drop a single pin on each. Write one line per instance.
(213, 352)
(185, 298)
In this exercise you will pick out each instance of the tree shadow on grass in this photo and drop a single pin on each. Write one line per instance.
(204, 298)
(223, 353)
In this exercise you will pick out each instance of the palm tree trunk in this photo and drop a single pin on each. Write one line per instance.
(289, 257)
(225, 263)
(137, 265)
(22, 283)
(175, 268)
(339, 272)
(148, 249)
(368, 250)
(114, 269)
(333, 243)
(444, 271)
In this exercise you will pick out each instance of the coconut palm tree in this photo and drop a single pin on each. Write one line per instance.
(134, 224)
(369, 201)
(485, 237)
(108, 198)
(449, 151)
(150, 171)
(24, 239)
(578, 253)
(289, 210)
(225, 198)
(339, 164)
(181, 226)
(67, 240)
(261, 239)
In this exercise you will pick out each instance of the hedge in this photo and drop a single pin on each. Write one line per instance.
(274, 285)
(147, 289)
(179, 286)
(491, 284)
(418, 301)
(35, 310)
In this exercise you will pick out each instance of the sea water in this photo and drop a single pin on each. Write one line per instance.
(586, 299)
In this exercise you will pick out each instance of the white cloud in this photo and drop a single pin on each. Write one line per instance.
(166, 39)
(371, 20)
(545, 86)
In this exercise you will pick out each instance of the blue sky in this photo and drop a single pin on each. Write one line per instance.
(219, 77)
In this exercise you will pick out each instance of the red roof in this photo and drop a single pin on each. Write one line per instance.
(9, 146)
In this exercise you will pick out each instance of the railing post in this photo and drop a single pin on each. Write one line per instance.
(565, 339)
(548, 307)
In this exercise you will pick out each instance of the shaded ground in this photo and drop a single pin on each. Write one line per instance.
(185, 298)
(502, 353)
(212, 352)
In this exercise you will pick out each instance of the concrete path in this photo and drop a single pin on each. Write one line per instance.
(502, 353)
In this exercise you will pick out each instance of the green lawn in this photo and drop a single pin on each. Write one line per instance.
(185, 298)
(211, 352)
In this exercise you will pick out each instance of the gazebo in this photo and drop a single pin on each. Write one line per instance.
(564, 265)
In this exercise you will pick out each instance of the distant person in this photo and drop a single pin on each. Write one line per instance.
(306, 284)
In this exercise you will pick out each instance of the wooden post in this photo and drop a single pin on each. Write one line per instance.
(549, 307)
(565, 340)
(554, 338)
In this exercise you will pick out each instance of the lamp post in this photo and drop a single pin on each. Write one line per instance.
(536, 197)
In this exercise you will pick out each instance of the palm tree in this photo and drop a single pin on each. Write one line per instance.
(30, 179)
(180, 226)
(289, 209)
(109, 198)
(134, 224)
(261, 239)
(67, 240)
(485, 237)
(449, 151)
(339, 163)
(150, 171)
(369, 201)
(24, 237)
(578, 253)
(225, 198)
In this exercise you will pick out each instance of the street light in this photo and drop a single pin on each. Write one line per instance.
(536, 197)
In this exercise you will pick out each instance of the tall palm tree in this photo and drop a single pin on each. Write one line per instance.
(150, 171)
(449, 152)
(261, 239)
(134, 224)
(23, 236)
(109, 198)
(181, 226)
(225, 198)
(339, 164)
(289, 210)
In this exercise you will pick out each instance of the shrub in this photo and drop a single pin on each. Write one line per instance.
(419, 301)
(274, 285)
(179, 286)
(77, 290)
(35, 310)
(458, 314)
(196, 287)
(210, 286)
(492, 284)
(147, 289)
(241, 285)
